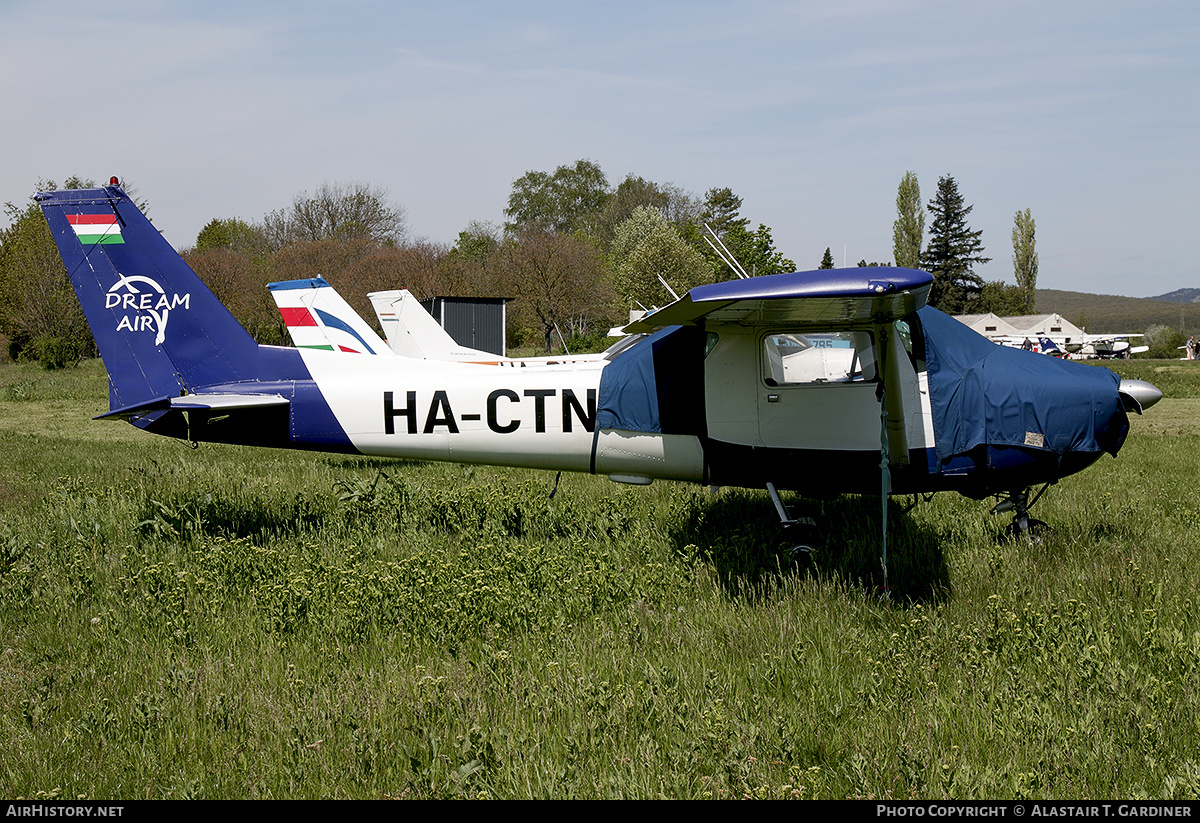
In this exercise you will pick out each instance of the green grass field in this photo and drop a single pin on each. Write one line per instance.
(223, 622)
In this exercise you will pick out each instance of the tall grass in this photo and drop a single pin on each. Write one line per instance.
(228, 622)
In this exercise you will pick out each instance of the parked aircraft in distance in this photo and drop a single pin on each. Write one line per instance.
(1110, 346)
(1087, 347)
(317, 317)
(833, 381)
(411, 331)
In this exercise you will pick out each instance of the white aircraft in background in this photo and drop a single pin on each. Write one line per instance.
(317, 317)
(1090, 347)
(411, 331)
(1110, 346)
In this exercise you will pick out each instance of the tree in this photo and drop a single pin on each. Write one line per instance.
(476, 242)
(422, 268)
(1164, 341)
(720, 212)
(1002, 299)
(464, 270)
(908, 232)
(632, 194)
(1025, 258)
(677, 206)
(571, 199)
(753, 250)
(557, 280)
(239, 282)
(756, 251)
(338, 211)
(826, 260)
(39, 313)
(645, 247)
(952, 252)
(234, 234)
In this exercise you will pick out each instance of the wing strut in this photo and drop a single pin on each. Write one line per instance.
(893, 435)
(885, 472)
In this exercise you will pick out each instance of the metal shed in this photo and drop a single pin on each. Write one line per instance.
(477, 322)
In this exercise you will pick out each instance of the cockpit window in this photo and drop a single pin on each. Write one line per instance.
(710, 342)
(910, 334)
(791, 359)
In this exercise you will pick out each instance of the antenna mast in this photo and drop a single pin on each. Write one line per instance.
(726, 256)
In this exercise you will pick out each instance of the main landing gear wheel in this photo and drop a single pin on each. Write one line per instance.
(796, 530)
(800, 552)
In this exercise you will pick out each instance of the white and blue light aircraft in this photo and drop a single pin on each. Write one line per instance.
(835, 381)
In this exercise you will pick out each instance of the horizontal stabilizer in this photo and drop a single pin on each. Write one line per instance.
(227, 401)
(187, 402)
(136, 410)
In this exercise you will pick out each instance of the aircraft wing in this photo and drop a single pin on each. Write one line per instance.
(1100, 338)
(828, 296)
(825, 299)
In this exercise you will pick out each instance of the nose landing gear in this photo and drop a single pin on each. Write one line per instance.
(1022, 524)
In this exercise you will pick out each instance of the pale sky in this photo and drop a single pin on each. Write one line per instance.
(1084, 111)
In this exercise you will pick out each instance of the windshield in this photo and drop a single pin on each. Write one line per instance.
(621, 345)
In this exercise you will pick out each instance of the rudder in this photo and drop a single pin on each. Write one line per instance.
(317, 317)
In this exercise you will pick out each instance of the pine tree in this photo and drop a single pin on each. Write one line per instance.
(720, 211)
(826, 260)
(952, 252)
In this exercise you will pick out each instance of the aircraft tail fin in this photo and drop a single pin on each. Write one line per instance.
(412, 332)
(318, 318)
(161, 332)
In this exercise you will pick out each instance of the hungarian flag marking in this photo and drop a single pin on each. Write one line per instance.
(96, 228)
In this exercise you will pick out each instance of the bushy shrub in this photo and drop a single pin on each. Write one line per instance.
(1164, 342)
(56, 352)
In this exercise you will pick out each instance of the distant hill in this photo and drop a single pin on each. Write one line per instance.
(1102, 313)
(1179, 296)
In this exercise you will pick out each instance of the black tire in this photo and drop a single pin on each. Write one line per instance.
(1037, 530)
